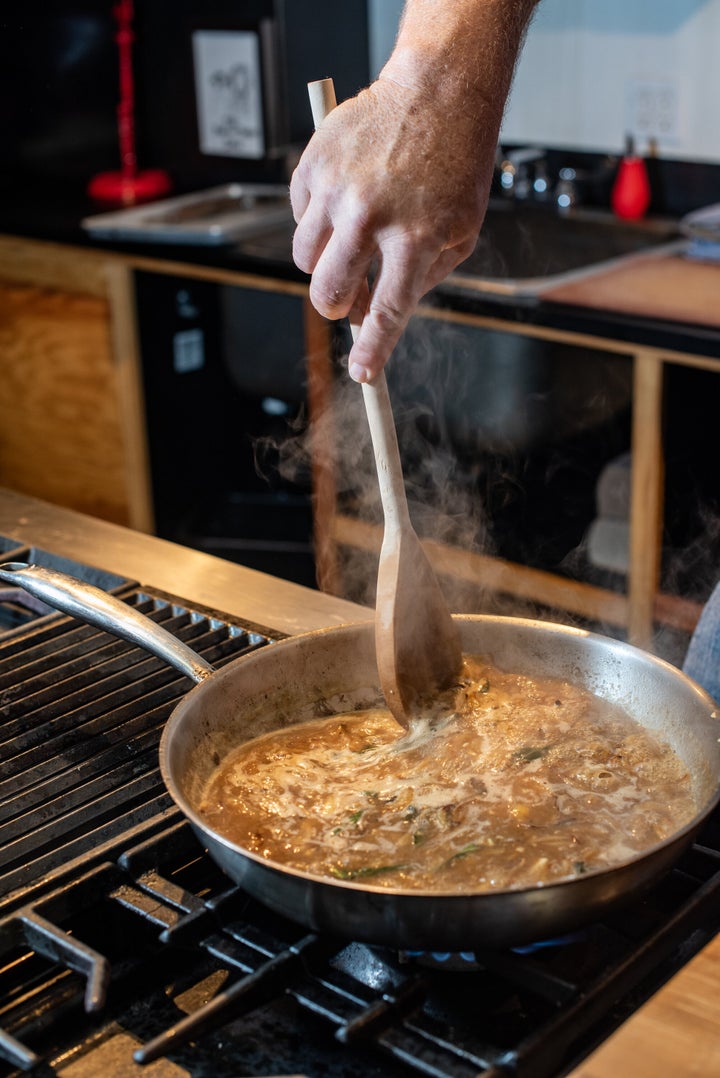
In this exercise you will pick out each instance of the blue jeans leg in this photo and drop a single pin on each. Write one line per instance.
(702, 662)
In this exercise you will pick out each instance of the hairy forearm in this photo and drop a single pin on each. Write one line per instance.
(396, 180)
(456, 58)
(460, 46)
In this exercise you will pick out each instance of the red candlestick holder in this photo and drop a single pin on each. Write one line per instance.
(127, 185)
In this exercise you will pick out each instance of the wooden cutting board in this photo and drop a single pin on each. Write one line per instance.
(677, 1033)
(668, 287)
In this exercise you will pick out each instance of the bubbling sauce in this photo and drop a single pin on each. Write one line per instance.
(512, 782)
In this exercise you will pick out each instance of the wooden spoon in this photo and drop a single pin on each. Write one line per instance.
(417, 644)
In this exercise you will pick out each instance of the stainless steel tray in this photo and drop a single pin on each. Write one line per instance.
(214, 216)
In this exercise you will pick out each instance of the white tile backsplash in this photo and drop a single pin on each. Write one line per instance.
(578, 77)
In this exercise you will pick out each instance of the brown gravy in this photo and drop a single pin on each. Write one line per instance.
(512, 782)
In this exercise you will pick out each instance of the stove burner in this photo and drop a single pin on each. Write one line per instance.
(542, 945)
(456, 961)
(467, 961)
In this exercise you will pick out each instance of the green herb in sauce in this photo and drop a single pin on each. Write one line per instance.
(341, 873)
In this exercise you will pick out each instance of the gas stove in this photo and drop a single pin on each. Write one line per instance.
(124, 949)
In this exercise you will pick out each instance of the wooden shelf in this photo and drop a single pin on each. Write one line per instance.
(534, 585)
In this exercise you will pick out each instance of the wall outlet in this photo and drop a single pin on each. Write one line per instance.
(653, 111)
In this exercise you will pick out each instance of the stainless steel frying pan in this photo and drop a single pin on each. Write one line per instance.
(300, 678)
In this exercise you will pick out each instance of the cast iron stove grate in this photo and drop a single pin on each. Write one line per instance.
(124, 950)
(81, 714)
(118, 934)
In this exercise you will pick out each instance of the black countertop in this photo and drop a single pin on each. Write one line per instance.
(56, 217)
(35, 215)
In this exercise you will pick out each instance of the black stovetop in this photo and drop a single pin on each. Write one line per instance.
(119, 936)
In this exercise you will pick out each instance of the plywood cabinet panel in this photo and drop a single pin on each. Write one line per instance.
(60, 427)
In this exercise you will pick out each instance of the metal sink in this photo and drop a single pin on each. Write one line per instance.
(518, 393)
(527, 249)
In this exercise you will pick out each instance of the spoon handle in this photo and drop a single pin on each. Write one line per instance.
(387, 452)
(375, 393)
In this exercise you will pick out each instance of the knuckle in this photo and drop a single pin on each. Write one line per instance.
(466, 247)
(330, 300)
(388, 317)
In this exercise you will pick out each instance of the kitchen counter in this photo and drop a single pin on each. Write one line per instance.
(49, 266)
(655, 301)
(671, 287)
(676, 1033)
(666, 302)
(200, 578)
(31, 216)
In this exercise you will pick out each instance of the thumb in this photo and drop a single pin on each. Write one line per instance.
(374, 339)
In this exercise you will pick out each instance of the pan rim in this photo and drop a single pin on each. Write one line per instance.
(680, 838)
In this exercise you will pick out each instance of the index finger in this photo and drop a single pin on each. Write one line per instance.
(339, 277)
(399, 284)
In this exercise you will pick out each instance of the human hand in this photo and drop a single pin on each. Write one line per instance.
(392, 186)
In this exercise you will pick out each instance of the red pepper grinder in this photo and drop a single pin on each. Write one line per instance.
(630, 196)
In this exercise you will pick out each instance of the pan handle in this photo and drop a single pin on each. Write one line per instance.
(97, 607)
